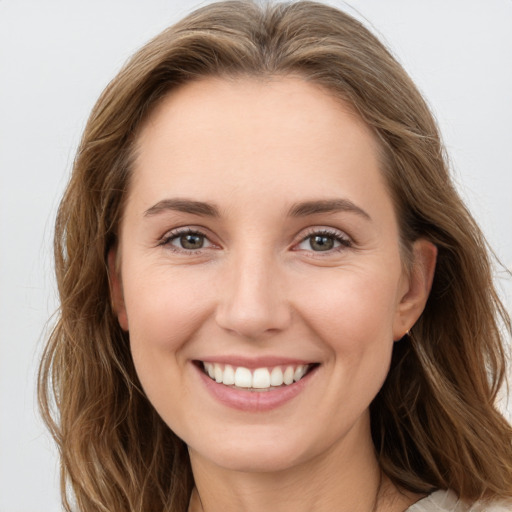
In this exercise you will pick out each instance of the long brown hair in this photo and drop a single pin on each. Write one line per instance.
(434, 423)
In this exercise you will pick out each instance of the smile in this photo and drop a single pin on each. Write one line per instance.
(258, 379)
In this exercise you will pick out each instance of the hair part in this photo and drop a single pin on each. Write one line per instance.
(434, 422)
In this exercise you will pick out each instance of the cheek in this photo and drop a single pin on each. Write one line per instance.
(352, 314)
(164, 311)
(353, 308)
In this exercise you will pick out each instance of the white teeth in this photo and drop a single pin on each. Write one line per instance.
(243, 378)
(229, 375)
(210, 369)
(276, 377)
(288, 375)
(260, 378)
(218, 373)
(299, 373)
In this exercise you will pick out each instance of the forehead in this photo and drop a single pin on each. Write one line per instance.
(272, 137)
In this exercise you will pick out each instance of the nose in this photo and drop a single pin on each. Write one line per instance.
(253, 299)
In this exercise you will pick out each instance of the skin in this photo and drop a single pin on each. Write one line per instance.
(258, 287)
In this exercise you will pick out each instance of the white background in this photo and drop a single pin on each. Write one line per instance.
(57, 56)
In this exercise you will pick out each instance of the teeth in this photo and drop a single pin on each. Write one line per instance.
(299, 373)
(229, 375)
(288, 375)
(260, 378)
(276, 377)
(218, 373)
(243, 378)
(211, 370)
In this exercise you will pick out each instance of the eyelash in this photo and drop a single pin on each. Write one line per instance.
(344, 241)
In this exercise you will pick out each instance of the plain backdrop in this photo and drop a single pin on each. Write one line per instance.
(57, 56)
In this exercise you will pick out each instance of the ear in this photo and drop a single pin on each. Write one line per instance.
(116, 289)
(416, 287)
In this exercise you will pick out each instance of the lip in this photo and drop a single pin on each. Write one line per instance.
(254, 401)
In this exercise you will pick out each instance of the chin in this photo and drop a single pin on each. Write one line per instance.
(267, 454)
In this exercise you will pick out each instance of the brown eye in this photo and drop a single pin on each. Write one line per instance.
(191, 241)
(186, 241)
(325, 241)
(321, 242)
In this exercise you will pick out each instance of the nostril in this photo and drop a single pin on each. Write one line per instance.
(255, 321)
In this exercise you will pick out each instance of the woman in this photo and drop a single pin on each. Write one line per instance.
(272, 296)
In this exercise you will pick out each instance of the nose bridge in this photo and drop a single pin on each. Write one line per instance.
(253, 300)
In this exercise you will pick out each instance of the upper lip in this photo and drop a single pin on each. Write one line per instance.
(255, 362)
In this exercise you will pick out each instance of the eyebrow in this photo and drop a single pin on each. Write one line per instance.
(185, 206)
(302, 209)
(326, 206)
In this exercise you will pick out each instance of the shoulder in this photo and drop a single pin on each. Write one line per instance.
(447, 501)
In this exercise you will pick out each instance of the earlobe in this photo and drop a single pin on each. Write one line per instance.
(116, 290)
(419, 284)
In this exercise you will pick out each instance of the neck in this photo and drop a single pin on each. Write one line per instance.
(347, 478)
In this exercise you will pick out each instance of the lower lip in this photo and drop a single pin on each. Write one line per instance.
(254, 401)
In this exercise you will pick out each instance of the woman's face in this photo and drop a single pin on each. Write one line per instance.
(259, 243)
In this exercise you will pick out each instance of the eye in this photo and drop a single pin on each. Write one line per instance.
(324, 241)
(187, 240)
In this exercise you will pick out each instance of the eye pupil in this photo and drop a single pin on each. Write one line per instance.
(192, 241)
(321, 243)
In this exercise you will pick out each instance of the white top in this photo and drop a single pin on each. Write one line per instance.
(447, 501)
